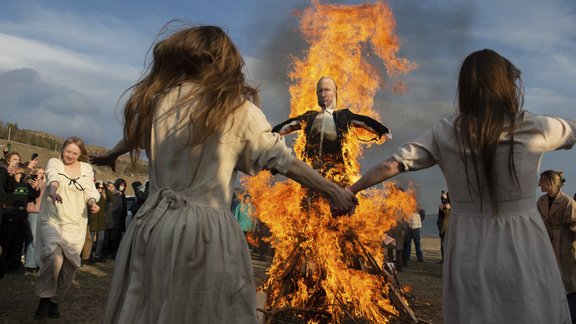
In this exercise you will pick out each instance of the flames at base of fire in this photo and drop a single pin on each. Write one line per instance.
(327, 264)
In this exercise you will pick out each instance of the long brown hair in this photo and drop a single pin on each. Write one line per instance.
(490, 94)
(203, 55)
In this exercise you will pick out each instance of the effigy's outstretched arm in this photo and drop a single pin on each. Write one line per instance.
(371, 125)
(292, 124)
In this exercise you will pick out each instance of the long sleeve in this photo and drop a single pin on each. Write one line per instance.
(369, 124)
(262, 149)
(88, 184)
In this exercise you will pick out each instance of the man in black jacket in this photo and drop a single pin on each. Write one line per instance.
(327, 129)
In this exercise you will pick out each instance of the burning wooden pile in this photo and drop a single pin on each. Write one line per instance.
(318, 308)
(328, 269)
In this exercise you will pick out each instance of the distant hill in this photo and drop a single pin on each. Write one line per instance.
(26, 142)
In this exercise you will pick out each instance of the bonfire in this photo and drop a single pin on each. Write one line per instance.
(325, 268)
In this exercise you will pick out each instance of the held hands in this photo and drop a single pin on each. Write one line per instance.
(343, 203)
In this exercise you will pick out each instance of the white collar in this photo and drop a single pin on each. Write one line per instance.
(330, 109)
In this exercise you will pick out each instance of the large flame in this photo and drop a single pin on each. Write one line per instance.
(324, 265)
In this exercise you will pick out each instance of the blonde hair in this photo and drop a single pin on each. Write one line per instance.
(81, 145)
(554, 177)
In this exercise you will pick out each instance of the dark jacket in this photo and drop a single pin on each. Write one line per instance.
(343, 119)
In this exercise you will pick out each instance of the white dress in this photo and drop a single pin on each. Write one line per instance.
(498, 268)
(184, 258)
(65, 224)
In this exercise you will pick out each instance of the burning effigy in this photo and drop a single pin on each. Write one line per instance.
(325, 268)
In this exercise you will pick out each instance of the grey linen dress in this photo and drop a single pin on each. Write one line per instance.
(185, 259)
(498, 268)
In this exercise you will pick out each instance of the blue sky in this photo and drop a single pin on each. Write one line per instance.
(65, 63)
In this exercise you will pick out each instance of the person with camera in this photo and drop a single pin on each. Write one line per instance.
(33, 208)
(14, 230)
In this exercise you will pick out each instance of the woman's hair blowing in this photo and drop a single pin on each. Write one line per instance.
(204, 56)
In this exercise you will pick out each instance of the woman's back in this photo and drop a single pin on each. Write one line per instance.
(533, 136)
(205, 173)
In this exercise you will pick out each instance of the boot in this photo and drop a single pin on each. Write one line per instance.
(42, 310)
(53, 311)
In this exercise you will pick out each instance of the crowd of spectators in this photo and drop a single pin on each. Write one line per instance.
(22, 186)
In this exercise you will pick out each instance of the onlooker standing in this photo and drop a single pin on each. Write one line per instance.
(559, 213)
(63, 222)
(97, 223)
(244, 214)
(111, 235)
(33, 209)
(414, 232)
(115, 216)
(443, 218)
(235, 201)
(122, 211)
(398, 233)
(14, 231)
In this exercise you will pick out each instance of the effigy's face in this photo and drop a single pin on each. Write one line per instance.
(326, 93)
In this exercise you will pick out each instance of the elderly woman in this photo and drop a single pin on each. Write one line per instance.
(70, 192)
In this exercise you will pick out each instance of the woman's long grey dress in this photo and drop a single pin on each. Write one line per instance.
(498, 268)
(185, 259)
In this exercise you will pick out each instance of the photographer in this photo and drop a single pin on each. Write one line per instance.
(33, 209)
(13, 232)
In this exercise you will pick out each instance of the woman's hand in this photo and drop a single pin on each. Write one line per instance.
(104, 160)
(109, 158)
(34, 184)
(32, 163)
(343, 202)
(56, 198)
(94, 208)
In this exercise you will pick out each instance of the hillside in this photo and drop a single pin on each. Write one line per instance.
(102, 173)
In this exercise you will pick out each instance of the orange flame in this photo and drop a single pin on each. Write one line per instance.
(319, 257)
(252, 239)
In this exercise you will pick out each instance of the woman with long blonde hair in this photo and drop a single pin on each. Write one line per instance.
(184, 258)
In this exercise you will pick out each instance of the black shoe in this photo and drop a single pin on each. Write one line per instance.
(420, 260)
(43, 309)
(53, 311)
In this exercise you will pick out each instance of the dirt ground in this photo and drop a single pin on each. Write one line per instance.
(86, 300)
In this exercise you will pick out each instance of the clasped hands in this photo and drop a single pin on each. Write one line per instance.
(344, 204)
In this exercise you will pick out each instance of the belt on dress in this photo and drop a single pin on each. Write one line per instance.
(163, 200)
